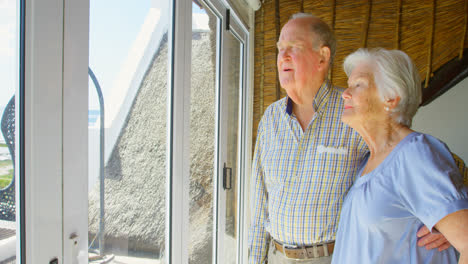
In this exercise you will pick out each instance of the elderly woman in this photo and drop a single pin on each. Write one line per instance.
(408, 179)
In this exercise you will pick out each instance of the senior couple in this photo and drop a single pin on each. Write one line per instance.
(339, 176)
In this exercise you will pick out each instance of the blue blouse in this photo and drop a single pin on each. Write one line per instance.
(417, 184)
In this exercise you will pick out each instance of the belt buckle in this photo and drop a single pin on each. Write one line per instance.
(285, 246)
(296, 247)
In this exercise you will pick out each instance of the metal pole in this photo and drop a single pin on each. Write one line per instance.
(101, 162)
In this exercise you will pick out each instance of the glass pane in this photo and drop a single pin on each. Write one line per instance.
(233, 49)
(202, 133)
(9, 59)
(127, 135)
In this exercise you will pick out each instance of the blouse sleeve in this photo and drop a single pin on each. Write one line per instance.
(430, 183)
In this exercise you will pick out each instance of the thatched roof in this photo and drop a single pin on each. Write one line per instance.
(433, 33)
(135, 183)
(135, 174)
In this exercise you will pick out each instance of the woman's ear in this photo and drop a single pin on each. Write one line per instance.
(392, 103)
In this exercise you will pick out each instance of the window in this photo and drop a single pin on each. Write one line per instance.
(145, 165)
(128, 100)
(203, 120)
(9, 72)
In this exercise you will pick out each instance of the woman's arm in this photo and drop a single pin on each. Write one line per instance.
(455, 228)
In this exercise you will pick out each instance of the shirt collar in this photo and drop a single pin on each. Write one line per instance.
(320, 99)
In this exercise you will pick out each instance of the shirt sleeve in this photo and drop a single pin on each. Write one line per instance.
(430, 183)
(258, 236)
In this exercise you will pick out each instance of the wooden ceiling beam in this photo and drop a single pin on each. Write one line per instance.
(445, 78)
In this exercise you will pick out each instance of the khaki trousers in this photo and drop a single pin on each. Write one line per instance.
(276, 257)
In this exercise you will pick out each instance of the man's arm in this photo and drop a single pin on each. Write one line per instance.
(432, 240)
(258, 237)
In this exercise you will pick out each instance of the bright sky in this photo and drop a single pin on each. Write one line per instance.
(111, 36)
(114, 24)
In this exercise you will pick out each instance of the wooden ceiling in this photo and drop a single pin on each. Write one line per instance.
(433, 33)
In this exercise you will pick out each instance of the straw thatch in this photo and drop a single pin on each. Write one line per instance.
(135, 184)
(134, 177)
(462, 167)
(432, 33)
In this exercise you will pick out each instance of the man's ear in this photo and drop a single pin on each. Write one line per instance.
(325, 54)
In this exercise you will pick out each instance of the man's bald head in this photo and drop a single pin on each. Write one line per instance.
(321, 33)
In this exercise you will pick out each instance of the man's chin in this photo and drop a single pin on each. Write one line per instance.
(285, 82)
(287, 86)
(294, 99)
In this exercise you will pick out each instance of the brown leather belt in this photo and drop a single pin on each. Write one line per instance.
(306, 252)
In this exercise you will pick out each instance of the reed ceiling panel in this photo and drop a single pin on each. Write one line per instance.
(432, 33)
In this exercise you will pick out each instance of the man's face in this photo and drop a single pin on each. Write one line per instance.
(298, 61)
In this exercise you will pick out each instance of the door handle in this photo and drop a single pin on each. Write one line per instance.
(227, 175)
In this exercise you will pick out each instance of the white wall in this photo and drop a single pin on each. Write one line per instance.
(447, 119)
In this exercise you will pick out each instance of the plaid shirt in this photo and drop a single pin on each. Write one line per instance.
(299, 178)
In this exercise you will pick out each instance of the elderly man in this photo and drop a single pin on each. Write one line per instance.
(305, 158)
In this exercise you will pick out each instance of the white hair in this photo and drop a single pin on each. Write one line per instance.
(322, 31)
(395, 75)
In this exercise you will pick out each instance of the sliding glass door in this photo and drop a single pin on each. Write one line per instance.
(136, 113)
(229, 202)
(10, 98)
(204, 86)
(127, 130)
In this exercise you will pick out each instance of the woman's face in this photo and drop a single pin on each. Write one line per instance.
(362, 102)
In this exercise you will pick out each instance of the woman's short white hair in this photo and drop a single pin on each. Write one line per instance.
(395, 75)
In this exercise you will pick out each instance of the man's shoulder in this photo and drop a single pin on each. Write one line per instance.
(276, 107)
(334, 99)
(281, 103)
(271, 116)
(336, 91)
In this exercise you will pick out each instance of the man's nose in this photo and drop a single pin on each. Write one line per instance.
(283, 53)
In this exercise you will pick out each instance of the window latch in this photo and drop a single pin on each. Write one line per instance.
(227, 175)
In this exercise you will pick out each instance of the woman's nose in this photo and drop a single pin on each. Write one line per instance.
(346, 94)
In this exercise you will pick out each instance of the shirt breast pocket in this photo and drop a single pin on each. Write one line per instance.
(331, 158)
